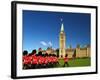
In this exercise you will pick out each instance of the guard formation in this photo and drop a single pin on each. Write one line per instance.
(36, 61)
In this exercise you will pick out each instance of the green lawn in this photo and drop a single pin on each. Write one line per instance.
(76, 62)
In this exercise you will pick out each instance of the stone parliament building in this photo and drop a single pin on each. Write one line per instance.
(78, 51)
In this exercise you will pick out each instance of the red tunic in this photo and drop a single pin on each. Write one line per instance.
(65, 59)
(46, 60)
(27, 60)
(34, 55)
(41, 60)
(53, 59)
(50, 59)
(34, 60)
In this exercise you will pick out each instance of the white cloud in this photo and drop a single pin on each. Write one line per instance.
(50, 43)
(46, 44)
(43, 43)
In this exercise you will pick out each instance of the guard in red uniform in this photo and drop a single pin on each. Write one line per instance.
(40, 61)
(46, 61)
(27, 61)
(66, 60)
(34, 61)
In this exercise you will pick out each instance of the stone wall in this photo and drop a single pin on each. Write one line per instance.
(80, 52)
(70, 52)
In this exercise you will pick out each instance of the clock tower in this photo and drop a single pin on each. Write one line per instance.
(62, 44)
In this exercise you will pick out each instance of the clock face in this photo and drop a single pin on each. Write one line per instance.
(62, 36)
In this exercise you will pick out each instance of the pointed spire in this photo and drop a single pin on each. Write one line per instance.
(62, 26)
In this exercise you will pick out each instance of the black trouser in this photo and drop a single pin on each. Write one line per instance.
(66, 63)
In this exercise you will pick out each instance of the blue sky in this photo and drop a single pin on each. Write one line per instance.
(41, 29)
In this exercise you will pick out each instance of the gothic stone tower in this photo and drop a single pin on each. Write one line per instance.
(62, 44)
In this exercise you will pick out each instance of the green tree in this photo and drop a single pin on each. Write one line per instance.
(74, 54)
(78, 45)
(57, 50)
(70, 46)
